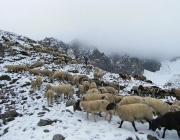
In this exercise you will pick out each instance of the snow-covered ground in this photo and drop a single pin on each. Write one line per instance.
(72, 125)
(168, 73)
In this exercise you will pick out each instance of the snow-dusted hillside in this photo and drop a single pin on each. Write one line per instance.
(167, 76)
(23, 109)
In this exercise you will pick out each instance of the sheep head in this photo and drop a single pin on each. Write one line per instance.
(155, 124)
(111, 106)
(76, 106)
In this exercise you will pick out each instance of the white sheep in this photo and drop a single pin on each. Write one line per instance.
(46, 72)
(68, 90)
(86, 85)
(49, 95)
(38, 64)
(118, 98)
(96, 69)
(93, 91)
(133, 100)
(33, 84)
(58, 75)
(34, 71)
(92, 85)
(158, 105)
(75, 80)
(95, 96)
(176, 92)
(81, 89)
(133, 112)
(110, 90)
(39, 81)
(98, 75)
(115, 85)
(140, 77)
(48, 87)
(98, 105)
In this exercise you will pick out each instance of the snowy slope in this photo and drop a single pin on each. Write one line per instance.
(168, 73)
(72, 125)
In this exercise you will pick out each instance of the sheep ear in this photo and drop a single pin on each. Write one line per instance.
(83, 98)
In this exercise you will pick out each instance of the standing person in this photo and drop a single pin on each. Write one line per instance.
(85, 60)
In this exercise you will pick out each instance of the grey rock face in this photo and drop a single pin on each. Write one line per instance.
(58, 137)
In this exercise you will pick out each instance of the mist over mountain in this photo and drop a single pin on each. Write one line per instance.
(117, 63)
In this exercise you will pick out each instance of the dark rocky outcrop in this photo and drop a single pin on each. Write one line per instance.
(58, 137)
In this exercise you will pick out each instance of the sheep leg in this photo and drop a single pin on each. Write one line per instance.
(106, 115)
(48, 101)
(87, 114)
(149, 123)
(164, 132)
(133, 124)
(110, 116)
(121, 124)
(92, 112)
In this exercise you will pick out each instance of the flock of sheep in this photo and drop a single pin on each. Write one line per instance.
(95, 95)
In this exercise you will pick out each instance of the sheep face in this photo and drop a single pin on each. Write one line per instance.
(111, 106)
(77, 106)
(155, 124)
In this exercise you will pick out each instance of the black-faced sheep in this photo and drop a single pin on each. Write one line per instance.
(133, 112)
(98, 105)
(169, 121)
(49, 95)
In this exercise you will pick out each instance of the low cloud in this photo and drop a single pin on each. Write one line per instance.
(141, 28)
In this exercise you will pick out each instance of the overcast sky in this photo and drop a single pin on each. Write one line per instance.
(148, 28)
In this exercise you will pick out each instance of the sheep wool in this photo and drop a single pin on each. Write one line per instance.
(133, 112)
(98, 105)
